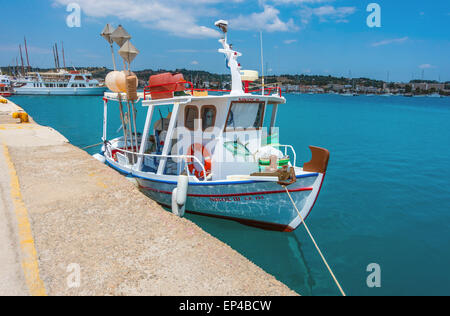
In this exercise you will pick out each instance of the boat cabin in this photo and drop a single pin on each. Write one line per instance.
(211, 135)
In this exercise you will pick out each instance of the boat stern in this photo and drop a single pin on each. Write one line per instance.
(318, 164)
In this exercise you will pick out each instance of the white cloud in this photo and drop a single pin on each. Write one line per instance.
(268, 20)
(426, 66)
(390, 41)
(194, 62)
(326, 13)
(297, 2)
(288, 42)
(174, 16)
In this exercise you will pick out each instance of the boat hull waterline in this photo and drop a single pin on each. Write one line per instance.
(61, 91)
(259, 204)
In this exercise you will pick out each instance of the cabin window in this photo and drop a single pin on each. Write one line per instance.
(208, 116)
(79, 78)
(245, 115)
(190, 116)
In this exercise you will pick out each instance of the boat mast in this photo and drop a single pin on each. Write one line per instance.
(57, 55)
(64, 57)
(54, 57)
(26, 53)
(21, 58)
(232, 56)
(262, 62)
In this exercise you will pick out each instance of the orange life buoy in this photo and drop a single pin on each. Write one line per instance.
(206, 157)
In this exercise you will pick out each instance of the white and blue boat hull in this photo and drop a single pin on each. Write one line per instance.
(260, 204)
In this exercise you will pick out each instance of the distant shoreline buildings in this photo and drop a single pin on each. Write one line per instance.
(310, 84)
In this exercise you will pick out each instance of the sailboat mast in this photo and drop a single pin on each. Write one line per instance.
(54, 57)
(64, 57)
(262, 63)
(57, 55)
(21, 59)
(26, 53)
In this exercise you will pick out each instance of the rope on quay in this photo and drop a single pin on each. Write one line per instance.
(315, 244)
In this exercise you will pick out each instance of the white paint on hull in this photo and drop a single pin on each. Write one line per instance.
(60, 91)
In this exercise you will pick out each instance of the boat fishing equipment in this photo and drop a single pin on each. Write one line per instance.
(128, 52)
(116, 81)
(106, 34)
(165, 85)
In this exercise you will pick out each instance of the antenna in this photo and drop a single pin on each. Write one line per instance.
(223, 26)
(231, 56)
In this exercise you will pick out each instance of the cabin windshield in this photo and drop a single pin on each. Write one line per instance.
(245, 115)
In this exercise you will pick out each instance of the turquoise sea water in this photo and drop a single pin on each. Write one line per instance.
(385, 200)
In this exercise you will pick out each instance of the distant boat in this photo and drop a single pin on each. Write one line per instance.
(435, 95)
(387, 95)
(58, 83)
(5, 86)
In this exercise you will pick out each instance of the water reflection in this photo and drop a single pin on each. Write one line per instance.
(279, 254)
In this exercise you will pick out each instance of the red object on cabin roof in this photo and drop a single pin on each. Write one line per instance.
(163, 86)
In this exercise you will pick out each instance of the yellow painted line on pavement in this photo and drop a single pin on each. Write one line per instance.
(30, 264)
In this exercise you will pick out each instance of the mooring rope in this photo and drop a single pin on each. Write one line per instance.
(315, 244)
(92, 146)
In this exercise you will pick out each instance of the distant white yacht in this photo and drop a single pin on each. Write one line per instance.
(5, 86)
(62, 82)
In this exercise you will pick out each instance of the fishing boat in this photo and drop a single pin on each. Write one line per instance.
(5, 86)
(215, 153)
(61, 82)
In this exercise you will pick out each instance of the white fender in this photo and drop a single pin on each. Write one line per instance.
(100, 158)
(182, 188)
(177, 210)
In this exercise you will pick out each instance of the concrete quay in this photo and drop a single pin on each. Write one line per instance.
(70, 225)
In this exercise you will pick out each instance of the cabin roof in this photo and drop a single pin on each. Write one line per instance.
(273, 99)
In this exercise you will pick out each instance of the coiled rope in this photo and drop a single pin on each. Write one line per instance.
(315, 244)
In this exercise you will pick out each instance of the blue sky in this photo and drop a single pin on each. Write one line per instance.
(300, 36)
